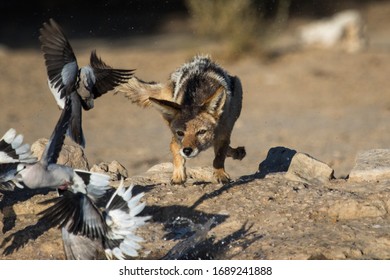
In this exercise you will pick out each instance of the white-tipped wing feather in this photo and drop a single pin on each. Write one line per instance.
(122, 220)
(57, 94)
(13, 150)
(9, 136)
(12, 153)
(96, 184)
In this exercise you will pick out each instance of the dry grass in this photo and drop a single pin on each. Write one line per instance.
(238, 24)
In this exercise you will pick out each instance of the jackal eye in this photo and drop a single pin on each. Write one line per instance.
(179, 133)
(201, 132)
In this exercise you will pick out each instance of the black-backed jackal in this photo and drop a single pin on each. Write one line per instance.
(201, 102)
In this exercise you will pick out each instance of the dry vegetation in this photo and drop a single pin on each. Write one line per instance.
(240, 24)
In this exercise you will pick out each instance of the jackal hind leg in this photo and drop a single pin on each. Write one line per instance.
(179, 172)
(236, 153)
(220, 150)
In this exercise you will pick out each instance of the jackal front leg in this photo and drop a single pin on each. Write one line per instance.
(220, 149)
(179, 172)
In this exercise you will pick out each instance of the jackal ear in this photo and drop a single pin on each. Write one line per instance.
(168, 109)
(214, 104)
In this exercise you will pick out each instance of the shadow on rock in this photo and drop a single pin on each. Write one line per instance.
(10, 198)
(278, 160)
(23, 236)
(199, 246)
(174, 215)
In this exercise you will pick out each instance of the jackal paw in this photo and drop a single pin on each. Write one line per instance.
(239, 153)
(178, 178)
(220, 176)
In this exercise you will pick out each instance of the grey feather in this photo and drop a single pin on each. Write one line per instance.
(12, 152)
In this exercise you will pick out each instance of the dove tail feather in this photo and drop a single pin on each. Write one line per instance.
(75, 129)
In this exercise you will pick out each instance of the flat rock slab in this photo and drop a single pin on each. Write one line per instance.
(371, 165)
(306, 169)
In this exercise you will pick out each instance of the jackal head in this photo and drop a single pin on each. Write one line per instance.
(193, 126)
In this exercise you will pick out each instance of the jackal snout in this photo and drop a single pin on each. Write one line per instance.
(192, 145)
(187, 151)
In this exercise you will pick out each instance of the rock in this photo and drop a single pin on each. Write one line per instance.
(114, 169)
(158, 173)
(345, 30)
(70, 155)
(371, 165)
(355, 209)
(306, 169)
(201, 174)
(161, 168)
(163, 172)
(278, 160)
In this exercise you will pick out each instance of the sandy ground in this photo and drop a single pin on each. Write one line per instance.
(328, 104)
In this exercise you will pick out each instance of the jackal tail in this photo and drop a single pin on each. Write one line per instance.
(138, 91)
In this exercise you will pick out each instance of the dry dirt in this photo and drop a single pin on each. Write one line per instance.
(328, 104)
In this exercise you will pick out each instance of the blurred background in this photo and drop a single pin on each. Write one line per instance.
(315, 73)
(119, 19)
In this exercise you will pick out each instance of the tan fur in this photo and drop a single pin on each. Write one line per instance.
(196, 123)
(139, 92)
(179, 171)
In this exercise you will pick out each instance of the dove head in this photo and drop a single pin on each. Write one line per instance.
(20, 168)
(24, 174)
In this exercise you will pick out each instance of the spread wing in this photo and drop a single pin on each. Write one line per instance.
(75, 209)
(77, 213)
(61, 63)
(107, 78)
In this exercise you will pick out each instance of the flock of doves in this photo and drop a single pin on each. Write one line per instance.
(86, 228)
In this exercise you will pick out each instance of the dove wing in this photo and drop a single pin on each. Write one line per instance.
(60, 61)
(107, 78)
